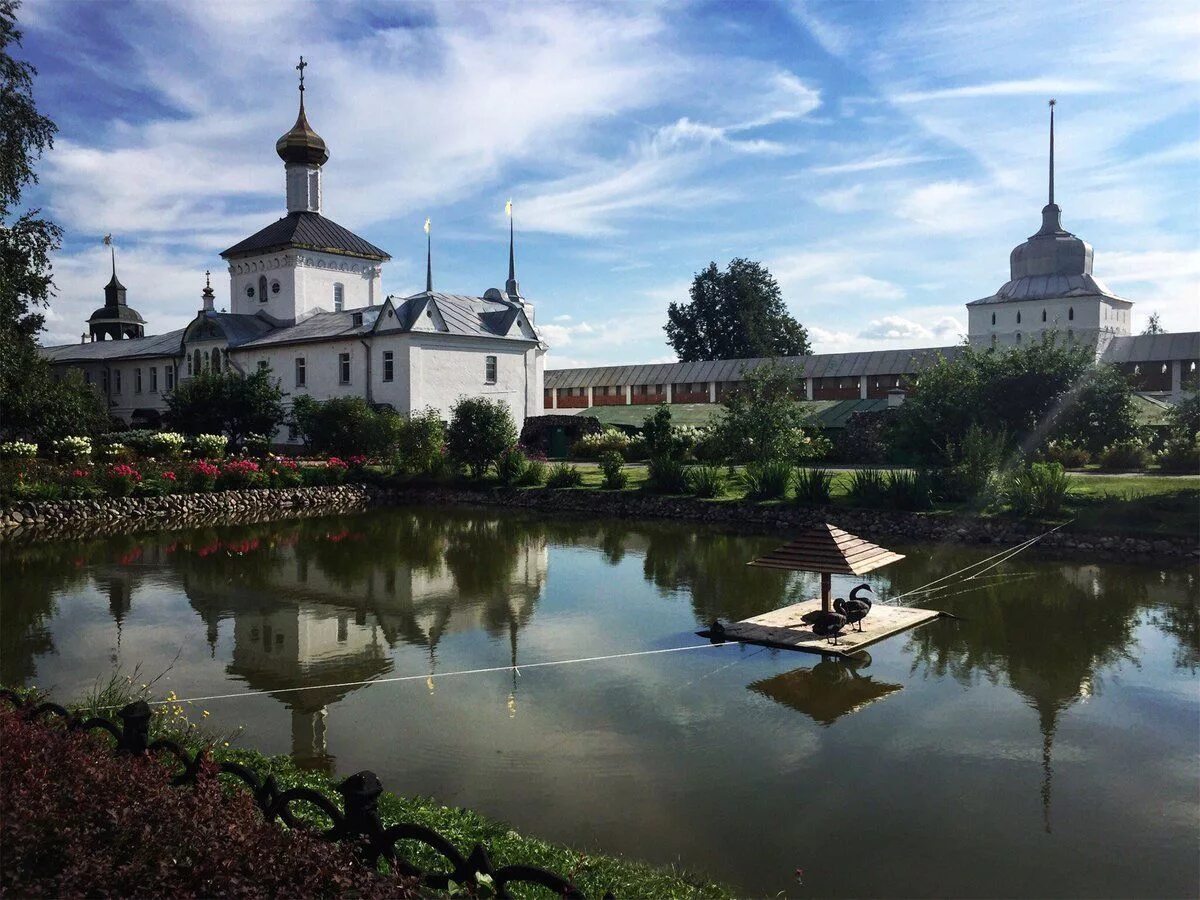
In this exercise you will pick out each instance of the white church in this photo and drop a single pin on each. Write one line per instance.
(306, 300)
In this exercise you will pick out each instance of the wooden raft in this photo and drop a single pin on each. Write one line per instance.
(783, 628)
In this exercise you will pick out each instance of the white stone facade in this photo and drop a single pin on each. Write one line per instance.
(301, 282)
(1090, 319)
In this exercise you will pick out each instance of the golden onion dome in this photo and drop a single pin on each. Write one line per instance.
(301, 144)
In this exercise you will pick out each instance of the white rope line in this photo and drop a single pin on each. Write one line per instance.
(398, 678)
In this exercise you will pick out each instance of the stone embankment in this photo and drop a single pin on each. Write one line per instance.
(86, 518)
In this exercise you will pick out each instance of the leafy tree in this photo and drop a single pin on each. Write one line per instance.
(227, 403)
(1184, 417)
(32, 402)
(345, 426)
(419, 441)
(761, 420)
(1153, 326)
(480, 431)
(1032, 394)
(735, 314)
(659, 435)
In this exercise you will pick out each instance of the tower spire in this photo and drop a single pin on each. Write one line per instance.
(428, 259)
(300, 67)
(207, 297)
(511, 287)
(1053, 103)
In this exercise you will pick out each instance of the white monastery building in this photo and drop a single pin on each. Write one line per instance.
(306, 300)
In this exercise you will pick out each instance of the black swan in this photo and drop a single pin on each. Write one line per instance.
(856, 608)
(828, 624)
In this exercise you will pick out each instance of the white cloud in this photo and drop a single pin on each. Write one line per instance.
(874, 163)
(1040, 87)
(895, 328)
(843, 200)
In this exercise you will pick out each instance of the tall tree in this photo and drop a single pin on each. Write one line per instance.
(1153, 326)
(734, 314)
(30, 399)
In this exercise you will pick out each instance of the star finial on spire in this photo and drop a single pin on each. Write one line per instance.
(300, 68)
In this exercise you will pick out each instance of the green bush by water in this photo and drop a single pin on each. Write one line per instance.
(767, 480)
(867, 488)
(611, 462)
(909, 490)
(708, 481)
(563, 475)
(1039, 490)
(814, 487)
(668, 475)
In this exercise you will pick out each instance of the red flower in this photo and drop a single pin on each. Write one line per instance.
(170, 476)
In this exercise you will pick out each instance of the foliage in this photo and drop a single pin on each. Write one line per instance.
(593, 446)
(73, 449)
(1067, 453)
(973, 464)
(563, 475)
(119, 480)
(864, 439)
(420, 442)
(867, 488)
(1031, 394)
(909, 490)
(18, 450)
(767, 480)
(257, 444)
(1038, 490)
(735, 314)
(1153, 325)
(210, 446)
(76, 820)
(167, 444)
(201, 476)
(708, 481)
(240, 473)
(814, 487)
(611, 462)
(667, 475)
(1184, 417)
(345, 426)
(761, 422)
(1124, 455)
(480, 430)
(227, 402)
(1181, 454)
(510, 466)
(533, 474)
(660, 437)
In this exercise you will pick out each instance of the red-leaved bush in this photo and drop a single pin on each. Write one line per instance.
(76, 820)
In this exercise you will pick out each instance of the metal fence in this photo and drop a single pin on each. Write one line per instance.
(357, 821)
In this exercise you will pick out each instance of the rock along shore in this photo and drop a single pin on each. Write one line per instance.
(66, 519)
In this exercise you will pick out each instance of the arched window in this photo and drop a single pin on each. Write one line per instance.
(1071, 314)
(196, 364)
(1018, 337)
(1018, 317)
(339, 297)
(262, 288)
(216, 359)
(1043, 315)
(993, 318)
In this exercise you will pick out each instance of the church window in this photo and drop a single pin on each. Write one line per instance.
(262, 288)
(993, 318)
(339, 297)
(1018, 317)
(489, 369)
(154, 379)
(116, 381)
(343, 368)
(1071, 314)
(137, 380)
(196, 365)
(274, 287)
(1018, 337)
(169, 372)
(216, 360)
(104, 381)
(87, 377)
(1043, 315)
(250, 290)
(300, 373)
(357, 320)
(389, 365)
(263, 365)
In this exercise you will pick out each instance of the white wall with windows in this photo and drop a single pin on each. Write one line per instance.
(1088, 319)
(293, 284)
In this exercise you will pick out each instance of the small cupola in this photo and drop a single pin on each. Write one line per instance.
(302, 145)
(115, 320)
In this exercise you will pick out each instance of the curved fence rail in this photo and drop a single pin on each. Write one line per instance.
(356, 821)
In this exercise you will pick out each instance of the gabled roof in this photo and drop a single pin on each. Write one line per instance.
(826, 548)
(322, 326)
(307, 231)
(237, 328)
(169, 344)
(463, 315)
(1153, 347)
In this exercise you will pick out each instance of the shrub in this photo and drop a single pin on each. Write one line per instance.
(139, 440)
(909, 490)
(534, 473)
(257, 445)
(334, 470)
(76, 820)
(167, 445)
(240, 473)
(480, 430)
(210, 446)
(119, 480)
(660, 437)
(113, 453)
(201, 476)
(282, 471)
(563, 475)
(767, 480)
(345, 426)
(708, 481)
(667, 475)
(73, 449)
(867, 488)
(592, 446)
(420, 443)
(1124, 455)
(510, 465)
(637, 449)
(1067, 453)
(1181, 454)
(18, 450)
(611, 462)
(974, 462)
(1037, 490)
(814, 487)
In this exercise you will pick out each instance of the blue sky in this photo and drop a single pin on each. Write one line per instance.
(881, 159)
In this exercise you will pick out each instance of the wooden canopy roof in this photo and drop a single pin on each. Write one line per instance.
(826, 548)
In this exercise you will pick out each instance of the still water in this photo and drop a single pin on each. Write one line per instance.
(1046, 744)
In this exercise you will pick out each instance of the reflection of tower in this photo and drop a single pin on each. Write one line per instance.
(119, 603)
(309, 747)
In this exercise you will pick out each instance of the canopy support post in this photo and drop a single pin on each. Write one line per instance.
(826, 591)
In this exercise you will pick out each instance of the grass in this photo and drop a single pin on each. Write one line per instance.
(593, 873)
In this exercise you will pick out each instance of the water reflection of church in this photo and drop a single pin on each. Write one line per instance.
(300, 624)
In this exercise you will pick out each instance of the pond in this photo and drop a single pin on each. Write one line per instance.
(1043, 744)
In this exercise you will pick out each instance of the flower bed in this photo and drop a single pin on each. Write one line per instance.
(77, 821)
